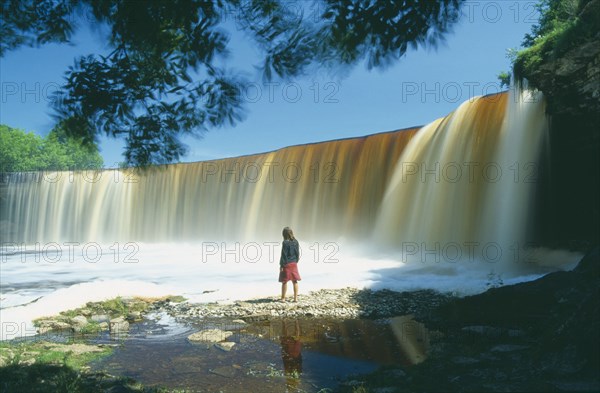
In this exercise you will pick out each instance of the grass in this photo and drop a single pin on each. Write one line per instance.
(113, 308)
(41, 366)
(44, 352)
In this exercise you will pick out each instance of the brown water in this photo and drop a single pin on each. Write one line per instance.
(303, 355)
(467, 177)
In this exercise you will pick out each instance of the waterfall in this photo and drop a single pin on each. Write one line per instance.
(463, 178)
(463, 187)
(322, 189)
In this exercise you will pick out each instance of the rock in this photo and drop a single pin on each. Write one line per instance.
(256, 317)
(43, 330)
(509, 348)
(134, 316)
(118, 326)
(75, 349)
(210, 335)
(100, 318)
(515, 333)
(225, 346)
(389, 389)
(51, 324)
(488, 331)
(464, 360)
(128, 300)
(225, 371)
(575, 386)
(104, 326)
(27, 362)
(78, 322)
(239, 321)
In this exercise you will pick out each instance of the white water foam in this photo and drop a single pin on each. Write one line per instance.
(46, 283)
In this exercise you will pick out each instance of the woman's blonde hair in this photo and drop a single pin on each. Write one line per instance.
(288, 234)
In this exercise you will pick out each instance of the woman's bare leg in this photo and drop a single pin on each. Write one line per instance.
(283, 291)
(295, 291)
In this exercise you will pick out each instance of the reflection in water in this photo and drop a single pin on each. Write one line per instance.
(397, 340)
(291, 355)
(412, 337)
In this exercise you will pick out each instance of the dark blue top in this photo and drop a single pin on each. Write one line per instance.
(290, 252)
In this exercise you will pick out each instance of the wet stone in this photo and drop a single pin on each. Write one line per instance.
(464, 360)
(225, 346)
(488, 331)
(256, 317)
(210, 335)
(225, 371)
(509, 348)
(79, 322)
(100, 318)
(118, 326)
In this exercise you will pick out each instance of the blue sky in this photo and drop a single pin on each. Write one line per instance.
(422, 86)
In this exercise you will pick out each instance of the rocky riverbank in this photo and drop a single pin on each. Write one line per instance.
(533, 336)
(116, 315)
(346, 303)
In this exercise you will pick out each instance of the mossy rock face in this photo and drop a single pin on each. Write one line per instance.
(97, 316)
(46, 325)
(564, 62)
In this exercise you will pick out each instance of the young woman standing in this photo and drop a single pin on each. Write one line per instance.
(288, 263)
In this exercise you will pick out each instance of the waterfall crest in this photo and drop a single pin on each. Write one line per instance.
(467, 177)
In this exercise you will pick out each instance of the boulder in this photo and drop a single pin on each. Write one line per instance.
(224, 371)
(225, 346)
(210, 335)
(100, 318)
(78, 322)
(51, 324)
(134, 316)
(118, 326)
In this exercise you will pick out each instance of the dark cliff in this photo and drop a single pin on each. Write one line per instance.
(565, 65)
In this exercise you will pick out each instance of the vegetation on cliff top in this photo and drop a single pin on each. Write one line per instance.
(563, 25)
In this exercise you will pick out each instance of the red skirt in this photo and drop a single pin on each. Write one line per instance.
(289, 272)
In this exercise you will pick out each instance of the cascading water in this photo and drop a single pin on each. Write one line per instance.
(324, 189)
(464, 178)
(459, 189)
(463, 187)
